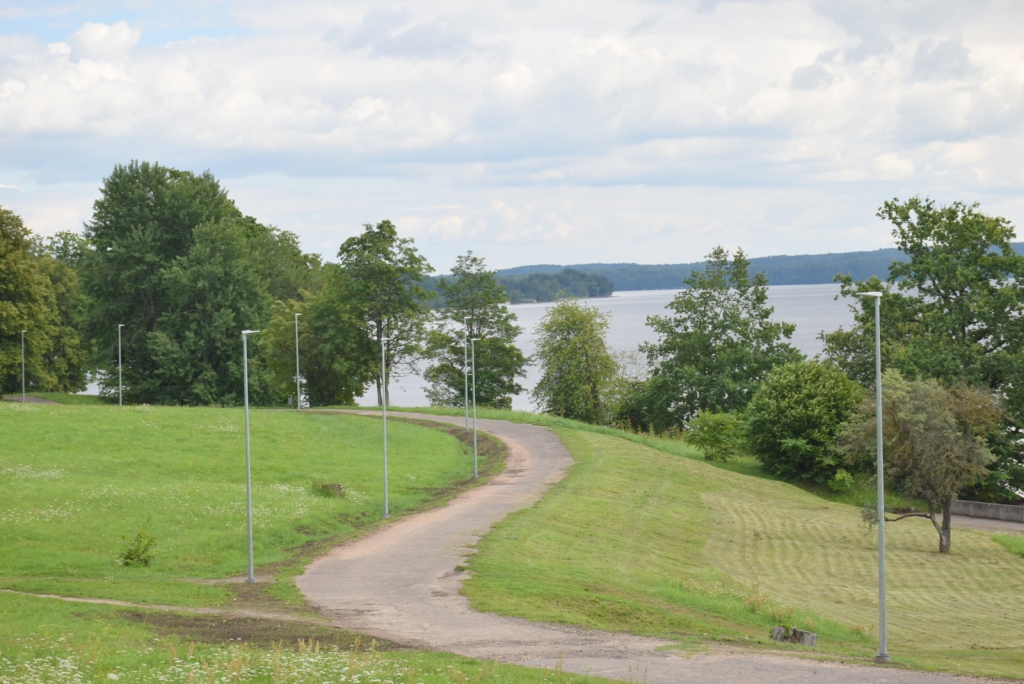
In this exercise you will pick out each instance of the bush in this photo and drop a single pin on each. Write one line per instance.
(841, 482)
(136, 551)
(716, 435)
(794, 418)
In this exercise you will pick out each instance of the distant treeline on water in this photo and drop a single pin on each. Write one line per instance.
(807, 269)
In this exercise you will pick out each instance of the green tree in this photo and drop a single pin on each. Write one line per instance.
(27, 302)
(716, 435)
(716, 346)
(934, 441)
(212, 294)
(68, 356)
(474, 305)
(143, 221)
(795, 416)
(336, 356)
(577, 369)
(383, 274)
(954, 311)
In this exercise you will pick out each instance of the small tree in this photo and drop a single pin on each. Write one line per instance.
(934, 442)
(383, 276)
(795, 415)
(716, 435)
(576, 368)
(474, 304)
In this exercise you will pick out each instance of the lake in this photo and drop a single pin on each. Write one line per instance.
(812, 308)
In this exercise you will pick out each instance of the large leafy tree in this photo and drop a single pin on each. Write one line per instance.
(577, 370)
(27, 302)
(39, 293)
(336, 356)
(716, 346)
(383, 275)
(934, 444)
(954, 311)
(474, 308)
(143, 222)
(176, 262)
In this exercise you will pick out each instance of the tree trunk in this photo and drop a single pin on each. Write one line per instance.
(945, 533)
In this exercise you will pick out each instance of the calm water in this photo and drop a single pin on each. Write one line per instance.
(811, 307)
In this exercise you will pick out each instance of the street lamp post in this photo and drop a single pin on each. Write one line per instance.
(472, 342)
(298, 389)
(23, 398)
(465, 367)
(120, 395)
(248, 458)
(883, 649)
(384, 407)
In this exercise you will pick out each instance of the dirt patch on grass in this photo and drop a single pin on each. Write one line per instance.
(213, 629)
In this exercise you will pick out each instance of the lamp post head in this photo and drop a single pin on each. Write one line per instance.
(869, 294)
(249, 332)
(297, 315)
(120, 325)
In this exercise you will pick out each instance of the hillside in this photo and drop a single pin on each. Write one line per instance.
(806, 269)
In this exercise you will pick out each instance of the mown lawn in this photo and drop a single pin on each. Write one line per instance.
(75, 479)
(639, 540)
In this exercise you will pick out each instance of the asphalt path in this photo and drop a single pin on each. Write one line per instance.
(402, 584)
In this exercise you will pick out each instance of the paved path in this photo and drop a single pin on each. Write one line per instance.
(401, 584)
(29, 399)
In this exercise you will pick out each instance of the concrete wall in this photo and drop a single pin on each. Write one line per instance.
(977, 509)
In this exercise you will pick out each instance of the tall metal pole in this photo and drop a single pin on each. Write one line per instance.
(465, 366)
(120, 393)
(23, 398)
(473, 344)
(883, 648)
(298, 389)
(248, 458)
(384, 406)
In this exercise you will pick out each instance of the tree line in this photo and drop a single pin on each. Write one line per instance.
(168, 256)
(723, 375)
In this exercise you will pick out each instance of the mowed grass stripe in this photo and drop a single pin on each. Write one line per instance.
(638, 540)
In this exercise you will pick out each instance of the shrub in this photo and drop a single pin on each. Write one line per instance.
(716, 435)
(136, 551)
(794, 417)
(841, 482)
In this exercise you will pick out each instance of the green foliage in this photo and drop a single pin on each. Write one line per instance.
(795, 415)
(577, 370)
(717, 435)
(934, 440)
(715, 347)
(137, 550)
(951, 312)
(172, 258)
(39, 294)
(336, 356)
(841, 482)
(383, 275)
(474, 308)
(550, 287)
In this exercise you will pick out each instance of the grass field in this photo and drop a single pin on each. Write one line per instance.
(65, 398)
(639, 540)
(76, 478)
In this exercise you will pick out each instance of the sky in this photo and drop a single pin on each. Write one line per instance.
(529, 132)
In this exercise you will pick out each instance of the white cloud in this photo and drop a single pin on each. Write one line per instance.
(559, 126)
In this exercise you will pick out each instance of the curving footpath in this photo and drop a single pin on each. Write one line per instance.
(402, 584)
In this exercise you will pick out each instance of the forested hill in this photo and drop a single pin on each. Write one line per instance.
(806, 269)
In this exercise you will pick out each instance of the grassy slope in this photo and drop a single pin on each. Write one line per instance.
(77, 478)
(638, 540)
